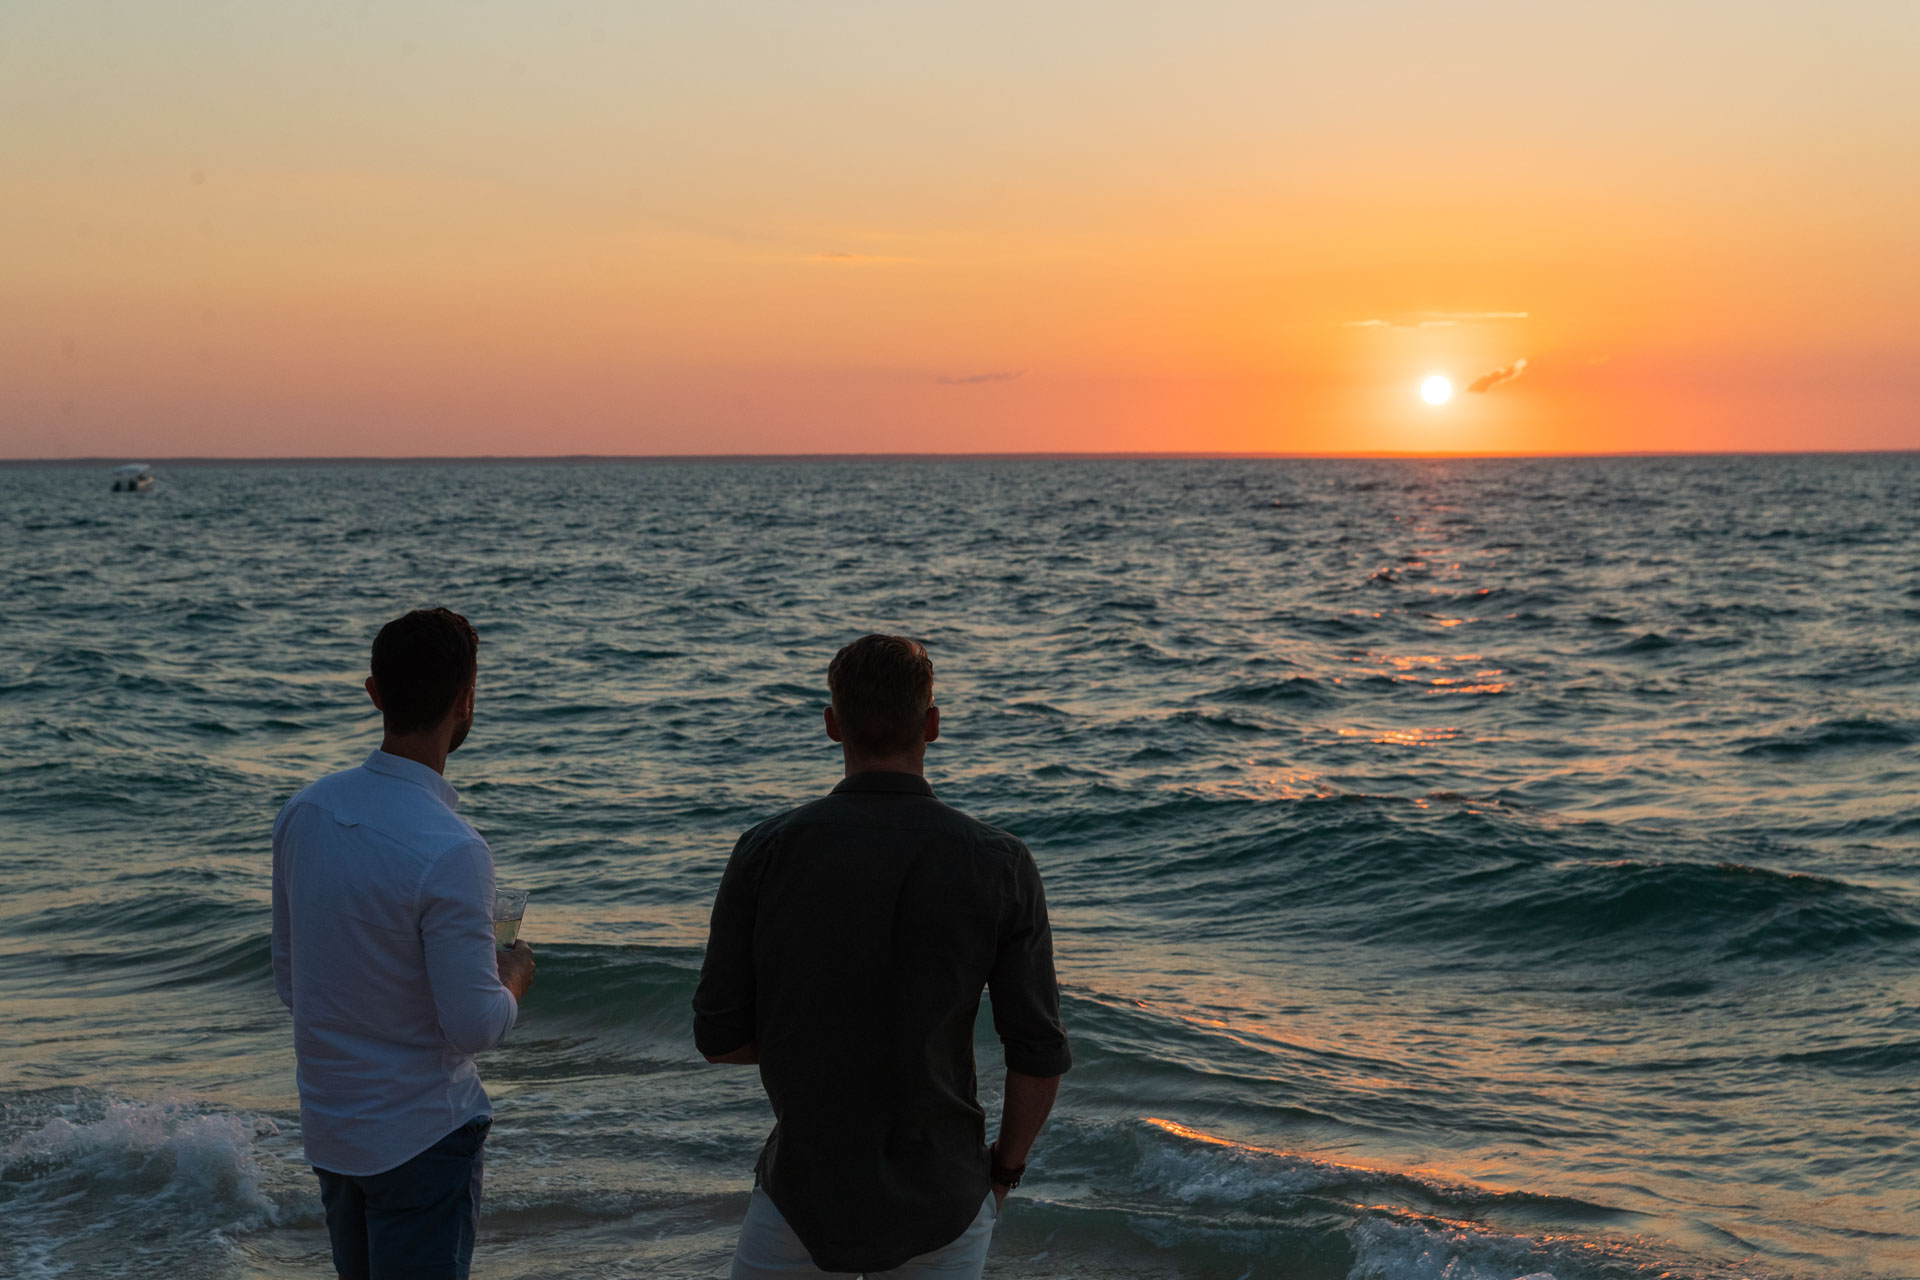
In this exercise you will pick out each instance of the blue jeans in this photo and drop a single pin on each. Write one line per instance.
(413, 1222)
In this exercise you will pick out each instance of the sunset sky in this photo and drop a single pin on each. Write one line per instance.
(246, 229)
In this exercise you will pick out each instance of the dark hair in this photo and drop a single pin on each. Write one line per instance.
(421, 663)
(882, 687)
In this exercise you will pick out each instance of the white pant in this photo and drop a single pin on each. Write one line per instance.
(768, 1247)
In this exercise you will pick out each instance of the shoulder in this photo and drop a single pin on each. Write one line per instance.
(321, 793)
(328, 785)
(763, 840)
(1001, 845)
(763, 837)
(457, 861)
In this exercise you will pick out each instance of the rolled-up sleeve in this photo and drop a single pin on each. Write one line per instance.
(723, 1003)
(456, 930)
(1026, 995)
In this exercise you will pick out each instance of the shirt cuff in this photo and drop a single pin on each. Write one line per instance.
(712, 1039)
(1041, 1061)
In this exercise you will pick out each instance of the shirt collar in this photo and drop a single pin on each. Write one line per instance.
(888, 782)
(413, 771)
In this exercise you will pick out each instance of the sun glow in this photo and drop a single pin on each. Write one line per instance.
(1436, 390)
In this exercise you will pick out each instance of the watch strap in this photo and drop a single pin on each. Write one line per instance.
(1002, 1175)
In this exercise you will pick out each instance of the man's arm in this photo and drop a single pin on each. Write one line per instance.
(723, 1004)
(1026, 1014)
(464, 969)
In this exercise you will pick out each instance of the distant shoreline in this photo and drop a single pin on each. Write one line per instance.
(672, 458)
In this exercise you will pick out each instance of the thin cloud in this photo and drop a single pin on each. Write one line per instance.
(856, 259)
(1436, 319)
(1399, 324)
(1488, 381)
(981, 379)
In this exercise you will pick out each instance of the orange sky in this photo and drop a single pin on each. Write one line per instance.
(483, 228)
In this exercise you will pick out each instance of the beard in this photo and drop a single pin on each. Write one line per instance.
(460, 735)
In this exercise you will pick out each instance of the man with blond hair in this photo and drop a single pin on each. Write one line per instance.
(850, 942)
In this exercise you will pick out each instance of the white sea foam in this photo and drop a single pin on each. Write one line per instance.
(102, 1164)
(1388, 1250)
(1197, 1175)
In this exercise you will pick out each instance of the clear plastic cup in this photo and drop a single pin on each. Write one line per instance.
(509, 909)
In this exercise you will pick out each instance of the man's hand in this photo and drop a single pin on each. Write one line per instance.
(1029, 1099)
(516, 968)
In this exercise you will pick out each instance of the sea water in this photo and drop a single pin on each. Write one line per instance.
(1459, 869)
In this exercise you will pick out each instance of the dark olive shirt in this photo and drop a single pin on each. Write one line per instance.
(851, 939)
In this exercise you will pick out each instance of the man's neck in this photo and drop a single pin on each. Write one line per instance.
(429, 750)
(915, 765)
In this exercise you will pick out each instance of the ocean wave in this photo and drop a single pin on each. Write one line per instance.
(1319, 846)
(1391, 1248)
(1217, 1205)
(1218, 722)
(1294, 689)
(169, 1151)
(1453, 872)
(1849, 734)
(596, 653)
(643, 991)
(126, 1187)
(1738, 911)
(78, 662)
(150, 911)
(1647, 642)
(244, 961)
(1900, 1056)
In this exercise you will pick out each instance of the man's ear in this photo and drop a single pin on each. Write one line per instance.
(464, 703)
(833, 724)
(373, 691)
(933, 724)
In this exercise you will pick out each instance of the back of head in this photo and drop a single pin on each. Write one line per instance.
(882, 687)
(422, 662)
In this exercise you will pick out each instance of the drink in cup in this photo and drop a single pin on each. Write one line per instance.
(509, 908)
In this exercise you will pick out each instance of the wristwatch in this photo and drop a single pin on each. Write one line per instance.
(1001, 1175)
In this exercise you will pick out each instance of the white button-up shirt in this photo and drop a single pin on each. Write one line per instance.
(383, 948)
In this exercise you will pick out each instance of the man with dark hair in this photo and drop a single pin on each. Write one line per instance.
(383, 949)
(850, 942)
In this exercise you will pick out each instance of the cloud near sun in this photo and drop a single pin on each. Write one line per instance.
(1488, 381)
(1433, 319)
(981, 379)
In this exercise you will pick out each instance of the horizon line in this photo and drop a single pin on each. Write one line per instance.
(994, 456)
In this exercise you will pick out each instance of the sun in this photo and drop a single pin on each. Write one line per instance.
(1436, 390)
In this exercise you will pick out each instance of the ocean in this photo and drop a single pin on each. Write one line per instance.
(1460, 869)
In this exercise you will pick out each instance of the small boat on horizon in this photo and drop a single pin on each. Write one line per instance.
(135, 477)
